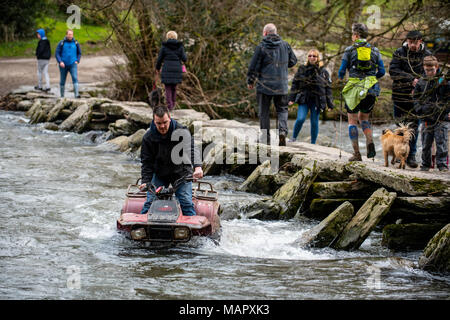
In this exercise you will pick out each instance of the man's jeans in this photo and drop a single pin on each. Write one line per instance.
(42, 71)
(183, 194)
(402, 114)
(439, 133)
(302, 112)
(281, 106)
(73, 70)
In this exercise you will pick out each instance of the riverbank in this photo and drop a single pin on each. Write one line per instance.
(308, 180)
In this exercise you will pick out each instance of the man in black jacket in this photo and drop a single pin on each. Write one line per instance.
(405, 69)
(168, 154)
(269, 69)
(43, 54)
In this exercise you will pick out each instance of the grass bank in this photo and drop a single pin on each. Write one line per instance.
(90, 37)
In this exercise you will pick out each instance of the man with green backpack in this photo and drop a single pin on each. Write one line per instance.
(365, 67)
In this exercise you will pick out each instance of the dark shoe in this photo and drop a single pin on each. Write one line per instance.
(46, 90)
(412, 163)
(424, 169)
(282, 140)
(371, 150)
(355, 157)
(443, 169)
(37, 88)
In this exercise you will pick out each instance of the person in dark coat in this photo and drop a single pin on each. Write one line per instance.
(168, 153)
(311, 89)
(405, 70)
(171, 57)
(269, 69)
(43, 54)
(431, 104)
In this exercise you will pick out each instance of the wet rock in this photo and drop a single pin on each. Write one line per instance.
(319, 208)
(57, 108)
(291, 195)
(328, 229)
(365, 220)
(342, 189)
(266, 209)
(419, 210)
(122, 127)
(51, 126)
(78, 120)
(410, 236)
(24, 105)
(411, 183)
(135, 140)
(263, 180)
(436, 255)
(120, 142)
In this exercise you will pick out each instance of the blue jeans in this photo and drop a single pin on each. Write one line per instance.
(183, 194)
(301, 117)
(73, 70)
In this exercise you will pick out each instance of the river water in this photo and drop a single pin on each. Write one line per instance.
(60, 196)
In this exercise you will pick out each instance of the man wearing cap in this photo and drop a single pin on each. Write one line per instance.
(405, 69)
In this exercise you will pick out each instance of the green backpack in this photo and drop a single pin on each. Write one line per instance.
(364, 61)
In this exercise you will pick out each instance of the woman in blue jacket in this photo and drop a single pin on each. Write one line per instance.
(68, 55)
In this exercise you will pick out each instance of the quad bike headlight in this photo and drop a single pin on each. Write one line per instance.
(138, 234)
(181, 233)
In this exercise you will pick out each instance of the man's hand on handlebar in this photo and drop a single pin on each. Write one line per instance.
(198, 173)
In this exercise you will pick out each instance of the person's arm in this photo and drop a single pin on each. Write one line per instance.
(396, 68)
(147, 161)
(78, 53)
(381, 71)
(160, 59)
(58, 53)
(183, 54)
(328, 91)
(342, 68)
(417, 98)
(254, 67)
(292, 58)
(296, 83)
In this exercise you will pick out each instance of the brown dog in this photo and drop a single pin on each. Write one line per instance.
(396, 144)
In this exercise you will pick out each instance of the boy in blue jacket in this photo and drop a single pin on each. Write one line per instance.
(68, 55)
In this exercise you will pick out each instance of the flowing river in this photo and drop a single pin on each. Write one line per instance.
(60, 196)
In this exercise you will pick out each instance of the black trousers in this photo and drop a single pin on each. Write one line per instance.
(281, 106)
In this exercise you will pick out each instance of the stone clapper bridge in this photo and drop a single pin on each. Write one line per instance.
(350, 198)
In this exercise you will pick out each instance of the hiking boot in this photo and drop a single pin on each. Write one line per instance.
(356, 157)
(412, 163)
(282, 140)
(371, 150)
(424, 169)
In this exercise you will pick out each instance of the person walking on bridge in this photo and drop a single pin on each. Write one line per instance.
(269, 69)
(365, 66)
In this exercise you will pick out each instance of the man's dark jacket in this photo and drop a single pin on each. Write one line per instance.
(432, 99)
(405, 66)
(156, 153)
(170, 57)
(312, 86)
(270, 63)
